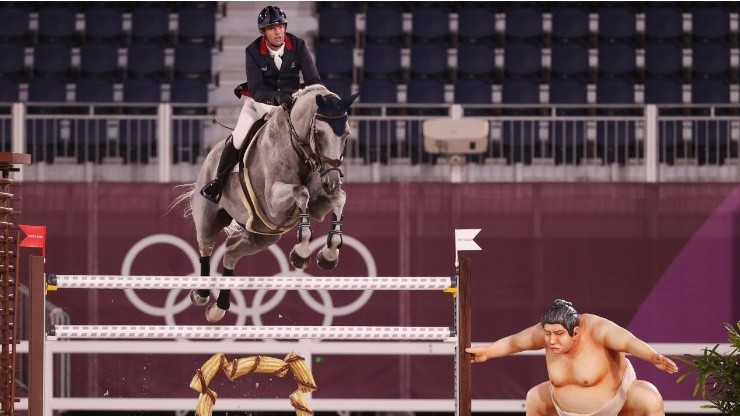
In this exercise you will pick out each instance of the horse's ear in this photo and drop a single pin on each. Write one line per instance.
(349, 100)
(320, 100)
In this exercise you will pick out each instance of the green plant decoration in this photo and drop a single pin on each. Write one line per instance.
(718, 374)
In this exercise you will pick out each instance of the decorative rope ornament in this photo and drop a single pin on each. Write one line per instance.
(255, 364)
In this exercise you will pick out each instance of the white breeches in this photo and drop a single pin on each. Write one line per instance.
(251, 112)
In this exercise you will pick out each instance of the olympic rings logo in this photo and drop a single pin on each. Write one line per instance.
(260, 304)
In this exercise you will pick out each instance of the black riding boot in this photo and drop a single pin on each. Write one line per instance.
(229, 158)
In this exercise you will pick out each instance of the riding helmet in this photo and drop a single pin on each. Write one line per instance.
(271, 15)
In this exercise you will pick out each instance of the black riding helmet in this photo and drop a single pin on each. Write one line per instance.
(271, 15)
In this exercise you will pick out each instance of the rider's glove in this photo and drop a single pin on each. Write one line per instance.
(284, 99)
(241, 89)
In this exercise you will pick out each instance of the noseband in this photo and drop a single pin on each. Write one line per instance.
(307, 149)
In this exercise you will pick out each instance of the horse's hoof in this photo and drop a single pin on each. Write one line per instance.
(297, 261)
(197, 299)
(214, 313)
(324, 263)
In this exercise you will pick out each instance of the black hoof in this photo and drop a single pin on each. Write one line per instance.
(297, 261)
(324, 263)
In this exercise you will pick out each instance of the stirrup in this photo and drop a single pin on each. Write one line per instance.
(212, 190)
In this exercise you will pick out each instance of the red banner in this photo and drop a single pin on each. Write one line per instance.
(35, 237)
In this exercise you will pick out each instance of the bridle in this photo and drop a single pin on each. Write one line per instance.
(307, 148)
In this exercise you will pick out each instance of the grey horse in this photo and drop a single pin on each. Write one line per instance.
(290, 172)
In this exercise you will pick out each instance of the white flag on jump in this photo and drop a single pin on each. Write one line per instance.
(464, 240)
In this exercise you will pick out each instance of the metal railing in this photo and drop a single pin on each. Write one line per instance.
(642, 143)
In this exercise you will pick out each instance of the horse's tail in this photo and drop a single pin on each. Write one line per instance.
(185, 196)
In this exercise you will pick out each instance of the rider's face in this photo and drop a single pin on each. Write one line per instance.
(274, 36)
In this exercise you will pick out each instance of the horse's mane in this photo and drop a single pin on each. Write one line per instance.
(311, 88)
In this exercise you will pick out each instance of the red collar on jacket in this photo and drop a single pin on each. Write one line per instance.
(263, 44)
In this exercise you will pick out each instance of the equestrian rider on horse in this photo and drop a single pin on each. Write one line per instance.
(273, 63)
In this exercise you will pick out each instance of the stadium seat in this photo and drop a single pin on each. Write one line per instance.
(12, 64)
(150, 23)
(193, 61)
(568, 137)
(617, 59)
(523, 22)
(663, 60)
(146, 60)
(522, 59)
(476, 60)
(337, 22)
(382, 59)
(710, 22)
(9, 91)
(477, 23)
(14, 23)
(384, 23)
(428, 60)
(93, 90)
(196, 23)
(430, 22)
(664, 90)
(104, 23)
(334, 60)
(708, 90)
(617, 22)
(569, 60)
(472, 91)
(663, 22)
(569, 22)
(711, 59)
(56, 22)
(99, 60)
(52, 60)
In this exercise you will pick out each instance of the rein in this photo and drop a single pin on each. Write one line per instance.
(307, 150)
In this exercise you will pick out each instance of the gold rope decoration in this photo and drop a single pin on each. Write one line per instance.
(256, 364)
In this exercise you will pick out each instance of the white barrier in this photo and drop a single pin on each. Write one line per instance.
(46, 341)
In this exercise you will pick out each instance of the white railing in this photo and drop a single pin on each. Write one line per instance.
(639, 143)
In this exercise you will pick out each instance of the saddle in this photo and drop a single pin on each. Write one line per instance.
(257, 221)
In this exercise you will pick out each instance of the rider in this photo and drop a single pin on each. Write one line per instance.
(274, 61)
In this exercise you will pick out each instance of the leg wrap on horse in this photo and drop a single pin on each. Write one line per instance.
(336, 229)
(205, 270)
(304, 224)
(223, 301)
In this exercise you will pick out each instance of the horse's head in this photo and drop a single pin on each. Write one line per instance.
(330, 133)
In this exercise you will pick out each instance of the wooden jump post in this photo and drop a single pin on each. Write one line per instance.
(9, 280)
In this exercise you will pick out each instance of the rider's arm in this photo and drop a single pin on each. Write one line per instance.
(531, 338)
(260, 92)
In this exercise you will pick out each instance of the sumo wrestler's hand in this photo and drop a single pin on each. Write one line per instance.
(665, 364)
(478, 354)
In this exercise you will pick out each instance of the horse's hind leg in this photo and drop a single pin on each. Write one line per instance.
(328, 257)
(216, 311)
(237, 246)
(200, 297)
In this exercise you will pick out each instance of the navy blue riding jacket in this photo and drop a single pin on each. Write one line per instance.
(265, 79)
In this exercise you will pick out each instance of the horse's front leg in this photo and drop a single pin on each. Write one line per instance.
(328, 257)
(283, 197)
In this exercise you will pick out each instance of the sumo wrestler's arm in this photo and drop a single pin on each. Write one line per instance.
(616, 338)
(531, 338)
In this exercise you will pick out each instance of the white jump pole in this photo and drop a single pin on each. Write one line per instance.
(250, 332)
(249, 283)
